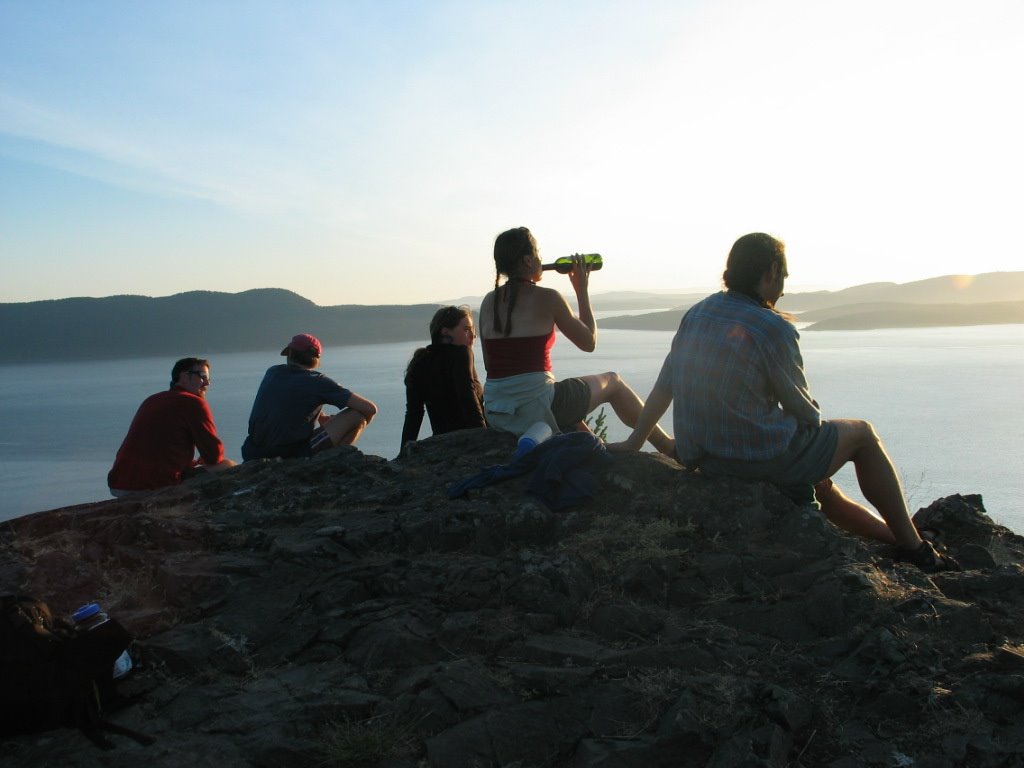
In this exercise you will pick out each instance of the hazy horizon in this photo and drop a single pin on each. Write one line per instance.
(595, 291)
(363, 153)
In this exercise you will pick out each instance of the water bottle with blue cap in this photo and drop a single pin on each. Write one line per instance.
(91, 617)
(538, 432)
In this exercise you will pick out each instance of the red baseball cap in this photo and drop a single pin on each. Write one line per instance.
(303, 342)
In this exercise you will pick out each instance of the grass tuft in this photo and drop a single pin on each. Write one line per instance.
(352, 743)
(613, 540)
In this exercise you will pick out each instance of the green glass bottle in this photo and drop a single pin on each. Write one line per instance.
(563, 265)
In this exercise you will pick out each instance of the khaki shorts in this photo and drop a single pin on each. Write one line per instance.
(804, 463)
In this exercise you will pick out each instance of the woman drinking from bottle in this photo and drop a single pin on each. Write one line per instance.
(517, 328)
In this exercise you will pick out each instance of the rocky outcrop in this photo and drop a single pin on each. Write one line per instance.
(344, 611)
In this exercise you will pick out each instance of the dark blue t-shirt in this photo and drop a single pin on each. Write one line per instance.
(285, 411)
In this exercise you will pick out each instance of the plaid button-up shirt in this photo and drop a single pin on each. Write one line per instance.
(737, 382)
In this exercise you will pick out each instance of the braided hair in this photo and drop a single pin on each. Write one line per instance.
(509, 248)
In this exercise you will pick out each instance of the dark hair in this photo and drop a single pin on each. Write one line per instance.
(749, 260)
(186, 364)
(509, 248)
(304, 358)
(445, 317)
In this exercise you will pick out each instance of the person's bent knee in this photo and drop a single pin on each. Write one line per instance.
(613, 382)
(853, 437)
(601, 381)
(856, 431)
(866, 431)
(365, 412)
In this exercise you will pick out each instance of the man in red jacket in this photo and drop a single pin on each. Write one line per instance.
(167, 430)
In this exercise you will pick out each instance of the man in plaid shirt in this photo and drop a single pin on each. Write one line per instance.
(743, 407)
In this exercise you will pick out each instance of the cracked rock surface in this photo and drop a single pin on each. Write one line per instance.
(342, 610)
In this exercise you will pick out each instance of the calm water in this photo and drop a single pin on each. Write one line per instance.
(946, 401)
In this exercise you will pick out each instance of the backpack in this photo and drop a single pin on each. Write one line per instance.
(55, 676)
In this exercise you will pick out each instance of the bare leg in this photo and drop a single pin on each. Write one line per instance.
(878, 481)
(345, 427)
(610, 388)
(847, 514)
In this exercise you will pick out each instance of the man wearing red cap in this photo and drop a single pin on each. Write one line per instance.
(287, 418)
(169, 427)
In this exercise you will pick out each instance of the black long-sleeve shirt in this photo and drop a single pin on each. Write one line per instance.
(443, 379)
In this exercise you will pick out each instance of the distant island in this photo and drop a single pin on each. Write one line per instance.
(205, 322)
(197, 322)
(856, 317)
(992, 298)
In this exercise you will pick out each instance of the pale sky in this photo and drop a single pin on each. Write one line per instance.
(369, 152)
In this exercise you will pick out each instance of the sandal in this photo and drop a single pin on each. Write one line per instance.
(928, 558)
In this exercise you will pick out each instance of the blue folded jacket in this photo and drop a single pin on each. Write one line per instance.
(565, 469)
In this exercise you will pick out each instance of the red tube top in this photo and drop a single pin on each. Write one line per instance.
(510, 356)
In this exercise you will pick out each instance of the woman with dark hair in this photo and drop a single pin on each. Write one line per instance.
(517, 325)
(442, 377)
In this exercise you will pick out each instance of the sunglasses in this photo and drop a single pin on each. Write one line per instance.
(202, 377)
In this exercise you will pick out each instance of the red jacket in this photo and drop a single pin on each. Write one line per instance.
(161, 443)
